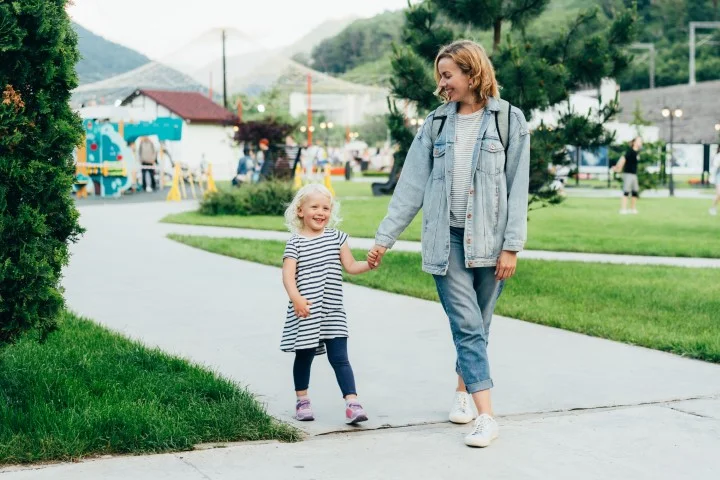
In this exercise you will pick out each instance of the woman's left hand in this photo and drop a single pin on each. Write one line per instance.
(505, 267)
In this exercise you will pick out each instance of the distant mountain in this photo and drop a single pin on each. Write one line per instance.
(152, 75)
(327, 29)
(101, 59)
(252, 68)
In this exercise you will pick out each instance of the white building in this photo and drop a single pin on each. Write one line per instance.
(584, 101)
(207, 133)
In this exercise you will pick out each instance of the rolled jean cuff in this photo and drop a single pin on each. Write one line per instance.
(479, 386)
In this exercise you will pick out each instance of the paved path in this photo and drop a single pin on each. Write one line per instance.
(570, 406)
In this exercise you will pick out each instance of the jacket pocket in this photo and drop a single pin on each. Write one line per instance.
(492, 156)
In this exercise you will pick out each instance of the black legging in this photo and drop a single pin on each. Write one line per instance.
(338, 357)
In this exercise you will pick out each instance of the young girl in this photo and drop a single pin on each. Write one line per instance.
(312, 274)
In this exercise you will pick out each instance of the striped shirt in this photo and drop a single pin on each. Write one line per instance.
(466, 132)
(319, 279)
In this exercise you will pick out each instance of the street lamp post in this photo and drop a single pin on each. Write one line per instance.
(666, 112)
(326, 126)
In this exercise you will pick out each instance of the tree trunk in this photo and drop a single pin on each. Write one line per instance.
(496, 37)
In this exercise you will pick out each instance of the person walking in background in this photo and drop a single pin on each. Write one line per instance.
(148, 158)
(245, 169)
(268, 165)
(291, 150)
(715, 178)
(311, 157)
(628, 165)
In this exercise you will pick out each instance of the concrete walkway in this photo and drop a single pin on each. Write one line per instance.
(570, 406)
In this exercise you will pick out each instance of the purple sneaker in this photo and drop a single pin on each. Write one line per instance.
(303, 411)
(354, 413)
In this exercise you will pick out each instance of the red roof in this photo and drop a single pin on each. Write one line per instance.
(192, 106)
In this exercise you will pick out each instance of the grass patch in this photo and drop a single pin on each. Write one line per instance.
(664, 227)
(666, 308)
(87, 391)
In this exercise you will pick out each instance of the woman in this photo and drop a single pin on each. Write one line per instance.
(474, 200)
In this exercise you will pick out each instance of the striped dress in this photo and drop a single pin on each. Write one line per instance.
(319, 279)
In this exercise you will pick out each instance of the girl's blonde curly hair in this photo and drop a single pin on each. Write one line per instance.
(294, 223)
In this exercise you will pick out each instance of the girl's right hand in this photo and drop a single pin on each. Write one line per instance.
(301, 306)
(374, 256)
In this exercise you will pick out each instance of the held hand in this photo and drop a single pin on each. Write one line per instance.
(374, 256)
(505, 267)
(302, 307)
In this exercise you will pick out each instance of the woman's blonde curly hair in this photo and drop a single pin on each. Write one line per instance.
(294, 223)
(473, 62)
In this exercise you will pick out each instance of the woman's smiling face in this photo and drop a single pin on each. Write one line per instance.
(454, 82)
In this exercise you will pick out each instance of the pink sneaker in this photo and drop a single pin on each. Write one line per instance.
(354, 413)
(303, 411)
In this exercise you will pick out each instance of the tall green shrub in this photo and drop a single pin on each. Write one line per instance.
(38, 131)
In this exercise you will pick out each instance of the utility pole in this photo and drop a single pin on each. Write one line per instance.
(310, 127)
(650, 47)
(224, 73)
(693, 26)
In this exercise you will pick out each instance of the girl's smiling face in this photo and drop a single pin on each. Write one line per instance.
(454, 82)
(315, 212)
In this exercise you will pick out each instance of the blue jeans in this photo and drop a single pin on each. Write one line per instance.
(468, 296)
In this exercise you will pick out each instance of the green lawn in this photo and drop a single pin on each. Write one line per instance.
(665, 227)
(87, 391)
(665, 308)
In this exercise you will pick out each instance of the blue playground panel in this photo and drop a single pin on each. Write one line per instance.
(106, 149)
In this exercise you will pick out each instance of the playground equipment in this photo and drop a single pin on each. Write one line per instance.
(297, 178)
(179, 192)
(327, 181)
(106, 160)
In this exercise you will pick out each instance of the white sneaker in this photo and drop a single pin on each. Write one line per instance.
(633, 211)
(713, 211)
(462, 410)
(485, 431)
(624, 212)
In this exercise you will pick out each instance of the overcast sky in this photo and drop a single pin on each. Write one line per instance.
(158, 27)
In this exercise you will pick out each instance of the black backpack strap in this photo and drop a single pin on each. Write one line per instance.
(437, 129)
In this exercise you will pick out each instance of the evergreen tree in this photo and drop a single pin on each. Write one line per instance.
(533, 72)
(38, 132)
(487, 14)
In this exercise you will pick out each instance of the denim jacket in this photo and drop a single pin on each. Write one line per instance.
(497, 204)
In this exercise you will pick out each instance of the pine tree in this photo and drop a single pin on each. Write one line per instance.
(38, 132)
(533, 72)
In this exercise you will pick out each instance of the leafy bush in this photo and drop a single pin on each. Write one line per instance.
(264, 198)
